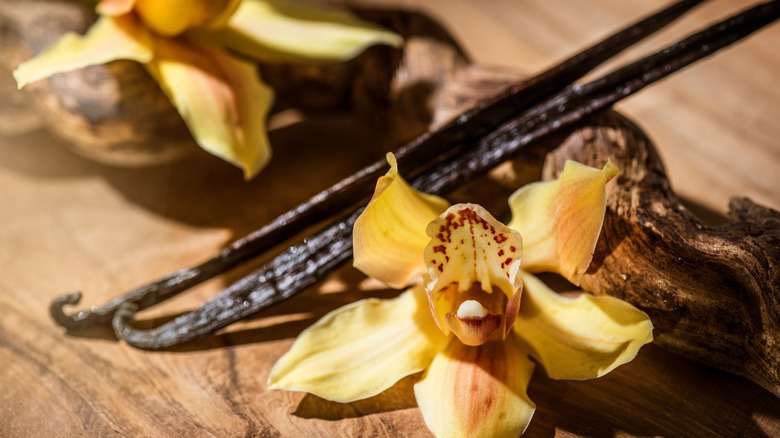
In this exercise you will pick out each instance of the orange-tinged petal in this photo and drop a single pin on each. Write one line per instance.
(477, 391)
(273, 30)
(579, 338)
(114, 7)
(361, 349)
(172, 17)
(561, 220)
(109, 39)
(389, 236)
(221, 99)
(472, 257)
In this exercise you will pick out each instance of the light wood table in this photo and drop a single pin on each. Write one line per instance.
(67, 223)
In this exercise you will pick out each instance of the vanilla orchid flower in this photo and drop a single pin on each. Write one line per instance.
(187, 47)
(479, 313)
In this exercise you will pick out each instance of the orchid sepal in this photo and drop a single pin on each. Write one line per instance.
(221, 99)
(281, 31)
(109, 39)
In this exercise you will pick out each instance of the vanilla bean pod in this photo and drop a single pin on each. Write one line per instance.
(304, 264)
(415, 157)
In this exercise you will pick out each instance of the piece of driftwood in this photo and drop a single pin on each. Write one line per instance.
(711, 292)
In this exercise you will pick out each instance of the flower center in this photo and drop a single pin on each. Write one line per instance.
(473, 262)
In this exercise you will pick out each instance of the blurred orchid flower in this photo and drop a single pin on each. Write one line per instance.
(184, 46)
(465, 326)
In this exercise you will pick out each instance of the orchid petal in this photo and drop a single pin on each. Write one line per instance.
(361, 349)
(109, 39)
(389, 236)
(221, 99)
(477, 391)
(561, 220)
(274, 30)
(579, 338)
(172, 17)
(114, 8)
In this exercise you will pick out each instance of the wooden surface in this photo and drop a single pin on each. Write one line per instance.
(68, 224)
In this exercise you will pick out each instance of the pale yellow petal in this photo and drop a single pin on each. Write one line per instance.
(472, 257)
(476, 392)
(274, 30)
(361, 349)
(221, 99)
(389, 236)
(173, 17)
(114, 7)
(109, 39)
(561, 220)
(579, 338)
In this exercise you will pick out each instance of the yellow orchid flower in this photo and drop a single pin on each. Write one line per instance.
(465, 327)
(186, 45)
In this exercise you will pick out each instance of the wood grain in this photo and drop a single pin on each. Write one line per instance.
(67, 223)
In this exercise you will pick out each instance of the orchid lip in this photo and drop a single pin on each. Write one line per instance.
(475, 315)
(474, 331)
